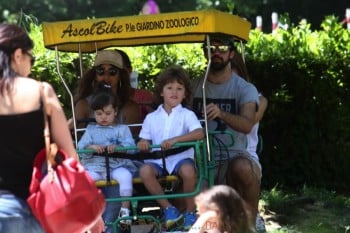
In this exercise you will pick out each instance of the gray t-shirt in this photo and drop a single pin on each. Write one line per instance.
(229, 95)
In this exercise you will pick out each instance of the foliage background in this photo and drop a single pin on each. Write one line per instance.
(54, 10)
(304, 74)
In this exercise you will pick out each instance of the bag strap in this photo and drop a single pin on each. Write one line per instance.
(51, 149)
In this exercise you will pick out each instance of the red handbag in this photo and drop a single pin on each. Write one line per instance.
(64, 199)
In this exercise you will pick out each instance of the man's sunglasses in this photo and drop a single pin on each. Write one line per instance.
(32, 58)
(111, 71)
(219, 48)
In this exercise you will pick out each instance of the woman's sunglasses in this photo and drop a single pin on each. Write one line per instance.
(111, 71)
(32, 58)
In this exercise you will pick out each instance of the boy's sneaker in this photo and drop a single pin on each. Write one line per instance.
(190, 219)
(171, 216)
(124, 212)
(260, 224)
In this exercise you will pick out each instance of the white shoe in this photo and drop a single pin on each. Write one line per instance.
(125, 212)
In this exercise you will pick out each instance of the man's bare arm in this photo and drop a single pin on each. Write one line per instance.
(242, 122)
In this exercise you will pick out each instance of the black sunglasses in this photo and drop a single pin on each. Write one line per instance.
(112, 71)
(32, 58)
(219, 48)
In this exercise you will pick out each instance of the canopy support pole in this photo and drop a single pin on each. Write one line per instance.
(243, 51)
(205, 100)
(70, 95)
(80, 61)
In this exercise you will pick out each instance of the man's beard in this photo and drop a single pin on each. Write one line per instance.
(218, 66)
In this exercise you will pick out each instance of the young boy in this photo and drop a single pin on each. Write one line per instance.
(171, 123)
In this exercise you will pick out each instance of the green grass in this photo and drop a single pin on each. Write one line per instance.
(310, 210)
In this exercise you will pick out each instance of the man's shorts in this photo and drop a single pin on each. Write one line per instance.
(222, 166)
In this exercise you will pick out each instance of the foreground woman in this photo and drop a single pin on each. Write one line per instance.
(21, 124)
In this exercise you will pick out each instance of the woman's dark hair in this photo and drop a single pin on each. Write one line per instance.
(12, 37)
(173, 74)
(238, 63)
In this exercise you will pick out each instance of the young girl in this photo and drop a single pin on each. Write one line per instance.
(221, 210)
(170, 123)
(106, 135)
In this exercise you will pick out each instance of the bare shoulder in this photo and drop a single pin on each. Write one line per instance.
(27, 83)
(28, 89)
(52, 102)
(25, 90)
(48, 89)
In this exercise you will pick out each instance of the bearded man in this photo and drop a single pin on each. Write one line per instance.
(231, 104)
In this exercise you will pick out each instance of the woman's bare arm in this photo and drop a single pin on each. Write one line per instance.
(262, 108)
(58, 127)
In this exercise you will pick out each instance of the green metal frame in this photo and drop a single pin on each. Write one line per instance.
(201, 163)
(205, 171)
(210, 163)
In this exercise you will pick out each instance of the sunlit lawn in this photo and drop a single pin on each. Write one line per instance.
(309, 211)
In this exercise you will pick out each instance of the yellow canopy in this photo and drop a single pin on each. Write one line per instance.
(179, 27)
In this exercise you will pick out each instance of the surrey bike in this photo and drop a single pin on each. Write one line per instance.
(90, 35)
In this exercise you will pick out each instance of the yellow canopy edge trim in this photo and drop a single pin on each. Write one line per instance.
(179, 27)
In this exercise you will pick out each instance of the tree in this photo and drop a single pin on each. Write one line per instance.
(314, 11)
(56, 10)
